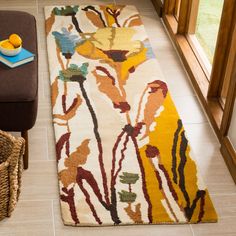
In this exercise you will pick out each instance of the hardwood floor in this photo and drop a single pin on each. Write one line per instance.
(38, 213)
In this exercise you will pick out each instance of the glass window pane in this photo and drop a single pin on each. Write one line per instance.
(208, 20)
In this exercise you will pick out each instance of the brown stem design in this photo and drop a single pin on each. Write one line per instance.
(88, 176)
(99, 13)
(66, 111)
(115, 14)
(173, 151)
(140, 104)
(87, 198)
(65, 137)
(109, 206)
(130, 188)
(145, 192)
(114, 214)
(202, 204)
(113, 207)
(60, 143)
(114, 149)
(200, 195)
(81, 80)
(170, 188)
(63, 99)
(183, 160)
(164, 195)
(122, 157)
(69, 198)
(169, 183)
(153, 152)
(75, 23)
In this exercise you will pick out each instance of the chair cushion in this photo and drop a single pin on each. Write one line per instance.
(20, 83)
(19, 86)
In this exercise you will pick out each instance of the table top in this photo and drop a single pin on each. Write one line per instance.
(20, 83)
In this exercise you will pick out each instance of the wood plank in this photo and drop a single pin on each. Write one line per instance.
(183, 16)
(169, 7)
(231, 94)
(172, 24)
(200, 54)
(192, 21)
(166, 6)
(230, 67)
(229, 155)
(228, 20)
(177, 9)
(172, 6)
(187, 19)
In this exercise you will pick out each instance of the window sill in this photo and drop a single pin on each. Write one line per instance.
(197, 73)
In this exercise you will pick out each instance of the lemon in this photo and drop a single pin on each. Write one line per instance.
(7, 45)
(15, 40)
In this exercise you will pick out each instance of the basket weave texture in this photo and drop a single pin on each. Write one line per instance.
(11, 166)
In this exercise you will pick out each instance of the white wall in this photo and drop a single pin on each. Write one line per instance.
(232, 128)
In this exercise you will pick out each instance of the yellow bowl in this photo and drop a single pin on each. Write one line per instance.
(9, 52)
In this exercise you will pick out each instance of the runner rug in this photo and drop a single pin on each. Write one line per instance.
(122, 152)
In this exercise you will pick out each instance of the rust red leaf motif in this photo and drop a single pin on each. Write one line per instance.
(60, 143)
(156, 97)
(70, 113)
(107, 85)
(152, 151)
(123, 106)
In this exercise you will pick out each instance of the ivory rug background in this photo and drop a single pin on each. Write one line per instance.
(123, 157)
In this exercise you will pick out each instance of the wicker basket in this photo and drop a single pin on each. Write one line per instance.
(11, 165)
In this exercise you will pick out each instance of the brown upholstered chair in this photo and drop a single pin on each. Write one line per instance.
(19, 86)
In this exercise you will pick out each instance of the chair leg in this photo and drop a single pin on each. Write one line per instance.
(24, 134)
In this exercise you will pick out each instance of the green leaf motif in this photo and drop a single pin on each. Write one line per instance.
(73, 70)
(67, 11)
(128, 178)
(127, 196)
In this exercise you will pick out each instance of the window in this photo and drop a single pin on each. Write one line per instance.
(204, 32)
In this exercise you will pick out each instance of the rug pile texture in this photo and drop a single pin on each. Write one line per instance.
(122, 152)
